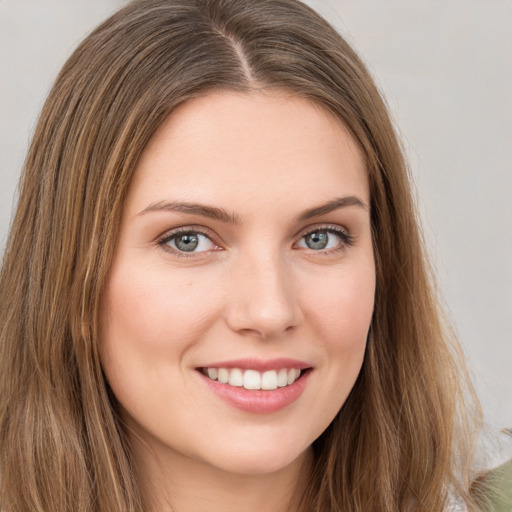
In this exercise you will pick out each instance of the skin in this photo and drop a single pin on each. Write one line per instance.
(252, 289)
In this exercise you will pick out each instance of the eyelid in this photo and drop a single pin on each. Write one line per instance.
(162, 240)
(346, 238)
(322, 226)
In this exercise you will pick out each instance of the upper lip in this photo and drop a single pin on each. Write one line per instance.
(259, 364)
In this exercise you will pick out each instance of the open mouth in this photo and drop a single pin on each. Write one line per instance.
(253, 379)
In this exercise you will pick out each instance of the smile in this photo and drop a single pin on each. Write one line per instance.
(253, 379)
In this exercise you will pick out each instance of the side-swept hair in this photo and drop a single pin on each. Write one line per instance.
(401, 442)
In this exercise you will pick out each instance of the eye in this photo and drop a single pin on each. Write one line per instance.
(325, 239)
(187, 241)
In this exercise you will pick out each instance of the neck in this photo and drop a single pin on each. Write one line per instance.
(173, 482)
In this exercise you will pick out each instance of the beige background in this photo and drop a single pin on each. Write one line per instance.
(446, 70)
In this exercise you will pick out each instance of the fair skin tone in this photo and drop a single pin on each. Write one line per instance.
(244, 254)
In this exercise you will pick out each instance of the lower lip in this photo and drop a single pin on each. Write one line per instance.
(258, 401)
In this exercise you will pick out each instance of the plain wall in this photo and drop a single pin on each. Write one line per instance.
(445, 68)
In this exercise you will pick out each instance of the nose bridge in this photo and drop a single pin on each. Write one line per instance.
(264, 298)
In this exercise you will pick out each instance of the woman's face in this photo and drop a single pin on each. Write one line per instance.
(244, 259)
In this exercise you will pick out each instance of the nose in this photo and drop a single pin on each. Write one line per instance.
(263, 299)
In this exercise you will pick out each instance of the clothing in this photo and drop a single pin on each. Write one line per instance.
(495, 489)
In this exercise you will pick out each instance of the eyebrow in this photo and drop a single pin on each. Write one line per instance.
(230, 218)
(194, 209)
(335, 204)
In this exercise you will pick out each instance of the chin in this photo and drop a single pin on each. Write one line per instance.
(260, 461)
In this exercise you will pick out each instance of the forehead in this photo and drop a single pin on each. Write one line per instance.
(242, 148)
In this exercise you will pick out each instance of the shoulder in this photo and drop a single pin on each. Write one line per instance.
(494, 488)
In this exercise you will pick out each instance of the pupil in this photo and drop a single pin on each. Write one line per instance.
(187, 242)
(317, 240)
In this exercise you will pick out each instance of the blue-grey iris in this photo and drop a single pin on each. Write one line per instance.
(317, 240)
(187, 242)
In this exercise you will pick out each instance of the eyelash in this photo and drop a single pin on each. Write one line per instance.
(346, 239)
(167, 237)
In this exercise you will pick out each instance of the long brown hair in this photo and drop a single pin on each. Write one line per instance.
(402, 440)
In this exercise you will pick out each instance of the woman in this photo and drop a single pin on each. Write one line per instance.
(215, 290)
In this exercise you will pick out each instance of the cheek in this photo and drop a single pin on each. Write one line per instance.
(342, 308)
(154, 308)
(150, 318)
(339, 313)
(149, 322)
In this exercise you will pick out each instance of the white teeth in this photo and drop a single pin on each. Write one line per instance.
(223, 375)
(269, 380)
(236, 377)
(282, 378)
(253, 379)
